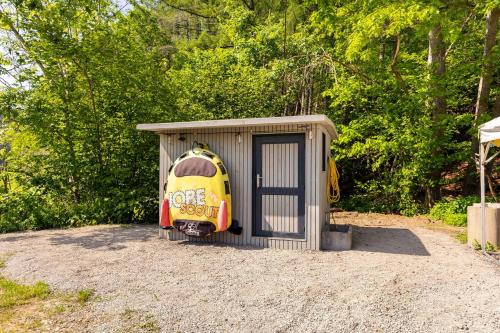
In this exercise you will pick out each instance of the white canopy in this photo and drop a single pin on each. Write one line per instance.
(489, 133)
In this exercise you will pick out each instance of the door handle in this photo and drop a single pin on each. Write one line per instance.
(259, 179)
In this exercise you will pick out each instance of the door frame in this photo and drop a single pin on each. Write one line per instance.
(257, 141)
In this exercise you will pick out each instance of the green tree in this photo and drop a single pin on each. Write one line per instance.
(407, 82)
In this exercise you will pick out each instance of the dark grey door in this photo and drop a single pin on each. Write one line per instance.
(278, 185)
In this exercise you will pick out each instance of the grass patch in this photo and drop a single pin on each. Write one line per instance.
(136, 321)
(22, 307)
(34, 307)
(3, 259)
(128, 314)
(150, 325)
(60, 308)
(461, 237)
(17, 294)
(84, 295)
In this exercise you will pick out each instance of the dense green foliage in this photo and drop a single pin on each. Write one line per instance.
(453, 212)
(79, 75)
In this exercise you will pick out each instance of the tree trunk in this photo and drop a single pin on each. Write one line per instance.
(437, 71)
(496, 107)
(6, 184)
(487, 69)
(489, 178)
(5, 176)
(250, 5)
(68, 137)
(92, 104)
(381, 51)
(394, 60)
(488, 65)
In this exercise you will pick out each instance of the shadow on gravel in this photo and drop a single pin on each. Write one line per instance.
(219, 244)
(388, 240)
(109, 238)
(24, 236)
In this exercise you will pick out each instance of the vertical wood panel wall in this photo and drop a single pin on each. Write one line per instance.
(323, 175)
(234, 146)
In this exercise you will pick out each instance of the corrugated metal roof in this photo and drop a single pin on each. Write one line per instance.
(244, 122)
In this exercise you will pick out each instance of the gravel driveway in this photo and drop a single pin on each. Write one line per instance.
(397, 279)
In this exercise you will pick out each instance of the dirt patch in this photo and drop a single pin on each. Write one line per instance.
(402, 277)
(391, 220)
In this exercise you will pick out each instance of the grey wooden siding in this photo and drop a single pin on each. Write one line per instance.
(234, 146)
(323, 175)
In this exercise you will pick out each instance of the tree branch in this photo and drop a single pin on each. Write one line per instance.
(141, 8)
(4, 18)
(394, 69)
(351, 68)
(250, 4)
(189, 11)
(462, 30)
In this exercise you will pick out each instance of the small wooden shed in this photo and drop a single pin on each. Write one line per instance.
(278, 174)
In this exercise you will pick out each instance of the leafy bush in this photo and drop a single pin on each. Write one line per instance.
(381, 197)
(490, 247)
(475, 245)
(453, 211)
(36, 209)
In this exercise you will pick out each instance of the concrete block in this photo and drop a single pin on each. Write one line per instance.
(492, 223)
(336, 237)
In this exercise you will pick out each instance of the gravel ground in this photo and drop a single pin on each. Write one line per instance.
(401, 276)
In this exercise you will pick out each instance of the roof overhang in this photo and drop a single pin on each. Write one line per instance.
(490, 131)
(163, 128)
